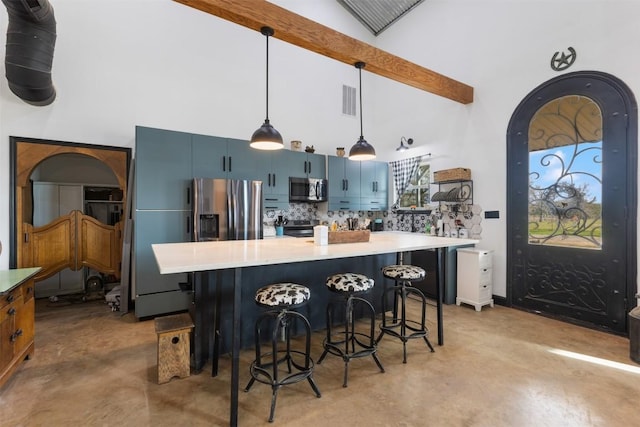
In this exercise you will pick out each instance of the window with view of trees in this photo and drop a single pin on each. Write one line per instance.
(565, 174)
(417, 194)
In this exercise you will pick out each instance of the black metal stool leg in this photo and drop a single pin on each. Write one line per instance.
(404, 328)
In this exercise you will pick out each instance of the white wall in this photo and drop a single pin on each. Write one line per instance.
(503, 49)
(121, 63)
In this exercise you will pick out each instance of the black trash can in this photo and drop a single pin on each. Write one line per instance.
(634, 334)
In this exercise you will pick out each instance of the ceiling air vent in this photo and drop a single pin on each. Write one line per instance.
(378, 15)
(348, 100)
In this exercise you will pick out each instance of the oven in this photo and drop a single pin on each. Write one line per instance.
(300, 228)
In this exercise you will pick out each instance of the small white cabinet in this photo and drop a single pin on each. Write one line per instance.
(475, 277)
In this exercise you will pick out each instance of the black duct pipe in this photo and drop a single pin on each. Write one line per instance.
(31, 39)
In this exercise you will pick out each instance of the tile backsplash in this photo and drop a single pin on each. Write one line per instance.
(470, 217)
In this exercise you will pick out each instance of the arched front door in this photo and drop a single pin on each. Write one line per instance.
(571, 160)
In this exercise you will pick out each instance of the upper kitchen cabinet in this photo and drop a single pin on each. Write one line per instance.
(316, 165)
(216, 157)
(344, 184)
(276, 168)
(163, 169)
(374, 185)
(306, 165)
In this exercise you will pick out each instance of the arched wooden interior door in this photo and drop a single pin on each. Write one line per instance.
(572, 173)
(72, 241)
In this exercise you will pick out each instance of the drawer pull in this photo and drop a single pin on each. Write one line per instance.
(11, 311)
(15, 335)
(11, 298)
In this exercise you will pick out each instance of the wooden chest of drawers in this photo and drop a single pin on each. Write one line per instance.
(17, 318)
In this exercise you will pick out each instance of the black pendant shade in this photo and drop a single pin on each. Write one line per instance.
(361, 150)
(267, 137)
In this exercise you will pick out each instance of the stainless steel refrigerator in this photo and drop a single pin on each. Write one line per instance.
(227, 209)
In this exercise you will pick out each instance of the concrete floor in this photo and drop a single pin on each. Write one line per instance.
(93, 367)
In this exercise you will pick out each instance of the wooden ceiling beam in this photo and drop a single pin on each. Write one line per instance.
(310, 35)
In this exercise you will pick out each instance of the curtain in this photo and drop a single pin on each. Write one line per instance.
(403, 170)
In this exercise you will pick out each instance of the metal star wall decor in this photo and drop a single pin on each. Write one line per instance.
(562, 61)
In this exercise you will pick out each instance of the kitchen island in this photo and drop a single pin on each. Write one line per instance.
(211, 261)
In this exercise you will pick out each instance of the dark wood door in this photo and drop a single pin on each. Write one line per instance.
(571, 157)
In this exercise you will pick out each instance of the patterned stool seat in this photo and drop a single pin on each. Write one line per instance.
(404, 272)
(349, 282)
(282, 294)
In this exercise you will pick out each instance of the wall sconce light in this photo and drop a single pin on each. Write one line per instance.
(403, 147)
(267, 137)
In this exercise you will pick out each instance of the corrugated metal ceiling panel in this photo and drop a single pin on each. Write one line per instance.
(377, 15)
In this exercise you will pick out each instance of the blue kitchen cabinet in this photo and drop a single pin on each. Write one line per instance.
(374, 186)
(316, 165)
(306, 165)
(276, 167)
(157, 293)
(163, 169)
(227, 158)
(344, 184)
(162, 200)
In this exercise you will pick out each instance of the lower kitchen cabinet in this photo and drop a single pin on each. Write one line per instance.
(17, 319)
(157, 293)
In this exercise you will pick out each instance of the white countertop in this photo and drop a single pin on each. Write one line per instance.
(202, 256)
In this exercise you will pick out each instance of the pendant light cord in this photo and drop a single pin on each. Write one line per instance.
(360, 66)
(267, 31)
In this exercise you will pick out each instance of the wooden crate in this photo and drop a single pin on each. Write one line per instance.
(354, 236)
(455, 174)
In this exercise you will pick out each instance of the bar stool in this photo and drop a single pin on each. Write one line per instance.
(343, 344)
(403, 275)
(282, 297)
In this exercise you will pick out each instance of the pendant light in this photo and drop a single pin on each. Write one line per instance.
(402, 146)
(361, 150)
(267, 137)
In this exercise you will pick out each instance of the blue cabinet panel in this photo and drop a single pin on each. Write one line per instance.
(344, 184)
(157, 227)
(227, 158)
(163, 169)
(375, 182)
(209, 157)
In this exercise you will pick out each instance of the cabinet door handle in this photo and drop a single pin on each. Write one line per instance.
(229, 163)
(309, 167)
(224, 163)
(11, 311)
(305, 166)
(347, 182)
(188, 196)
(26, 237)
(11, 298)
(274, 179)
(188, 225)
(15, 335)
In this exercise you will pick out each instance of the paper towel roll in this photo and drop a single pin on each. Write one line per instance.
(321, 235)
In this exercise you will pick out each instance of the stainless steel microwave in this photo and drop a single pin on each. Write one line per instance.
(307, 190)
